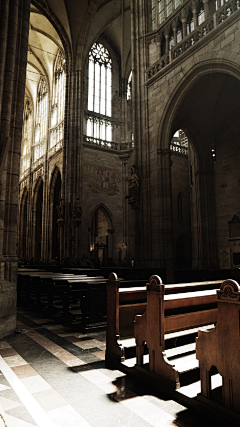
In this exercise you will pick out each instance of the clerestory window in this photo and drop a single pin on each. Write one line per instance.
(58, 91)
(99, 93)
(129, 87)
(41, 120)
(58, 104)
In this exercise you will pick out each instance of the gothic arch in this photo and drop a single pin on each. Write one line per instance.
(23, 224)
(107, 213)
(37, 218)
(206, 67)
(98, 250)
(50, 15)
(176, 111)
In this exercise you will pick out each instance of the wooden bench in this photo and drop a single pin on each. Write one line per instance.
(170, 321)
(84, 303)
(220, 349)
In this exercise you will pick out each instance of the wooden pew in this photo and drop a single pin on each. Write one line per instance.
(186, 307)
(167, 314)
(220, 348)
(84, 302)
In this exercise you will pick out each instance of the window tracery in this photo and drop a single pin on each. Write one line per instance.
(41, 119)
(27, 136)
(129, 87)
(99, 93)
(58, 91)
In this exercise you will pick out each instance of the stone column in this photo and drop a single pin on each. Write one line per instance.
(206, 9)
(184, 23)
(174, 28)
(166, 35)
(166, 221)
(159, 42)
(14, 29)
(72, 156)
(195, 16)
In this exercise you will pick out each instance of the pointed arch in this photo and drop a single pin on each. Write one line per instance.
(23, 225)
(37, 219)
(101, 233)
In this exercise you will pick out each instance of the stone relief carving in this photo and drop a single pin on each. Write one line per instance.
(133, 189)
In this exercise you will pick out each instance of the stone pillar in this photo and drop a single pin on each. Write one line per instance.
(159, 42)
(184, 23)
(166, 35)
(206, 9)
(14, 29)
(72, 157)
(195, 16)
(166, 225)
(174, 28)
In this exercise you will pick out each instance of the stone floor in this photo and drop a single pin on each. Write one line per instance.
(51, 376)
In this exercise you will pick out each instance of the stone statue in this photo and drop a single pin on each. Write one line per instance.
(124, 253)
(77, 210)
(133, 189)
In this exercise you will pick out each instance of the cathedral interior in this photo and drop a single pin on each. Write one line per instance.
(118, 150)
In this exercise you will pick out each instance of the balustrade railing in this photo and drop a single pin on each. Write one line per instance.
(211, 23)
(111, 146)
(179, 149)
(38, 162)
(55, 148)
(56, 134)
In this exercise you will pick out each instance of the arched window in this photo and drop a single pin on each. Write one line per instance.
(58, 91)
(169, 7)
(41, 120)
(161, 11)
(27, 136)
(201, 16)
(154, 24)
(129, 87)
(58, 105)
(99, 93)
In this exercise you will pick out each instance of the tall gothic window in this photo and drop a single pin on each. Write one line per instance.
(99, 93)
(129, 87)
(161, 11)
(169, 7)
(41, 120)
(58, 104)
(58, 91)
(27, 136)
(154, 15)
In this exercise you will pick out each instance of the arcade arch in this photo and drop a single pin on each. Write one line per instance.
(101, 235)
(206, 109)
